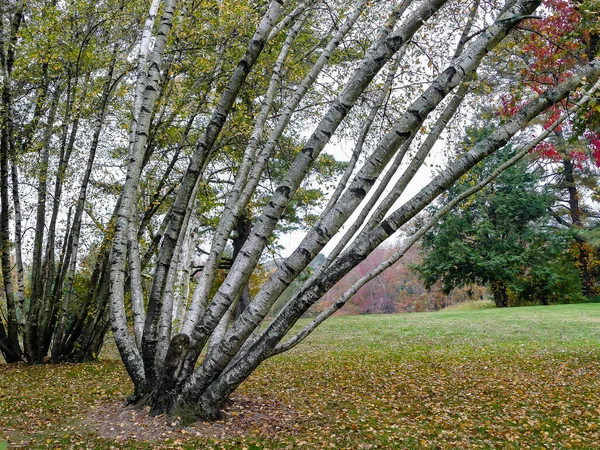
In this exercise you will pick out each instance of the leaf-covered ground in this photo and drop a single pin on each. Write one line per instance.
(516, 378)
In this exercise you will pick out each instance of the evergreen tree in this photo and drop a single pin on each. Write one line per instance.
(502, 237)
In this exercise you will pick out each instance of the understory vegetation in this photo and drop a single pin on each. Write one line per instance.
(490, 378)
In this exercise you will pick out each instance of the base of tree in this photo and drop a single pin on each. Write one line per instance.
(241, 416)
(170, 404)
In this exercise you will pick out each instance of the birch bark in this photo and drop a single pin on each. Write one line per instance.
(383, 49)
(125, 343)
(10, 338)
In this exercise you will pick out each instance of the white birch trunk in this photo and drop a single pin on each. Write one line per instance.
(125, 342)
(142, 67)
(182, 290)
(138, 309)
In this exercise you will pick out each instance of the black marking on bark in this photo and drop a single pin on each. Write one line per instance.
(262, 238)
(359, 192)
(451, 71)
(260, 43)
(243, 64)
(342, 109)
(318, 285)
(369, 181)
(387, 228)
(395, 42)
(283, 190)
(380, 59)
(305, 253)
(286, 267)
(403, 134)
(322, 231)
(284, 281)
(441, 92)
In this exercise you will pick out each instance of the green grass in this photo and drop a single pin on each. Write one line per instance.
(490, 378)
(470, 305)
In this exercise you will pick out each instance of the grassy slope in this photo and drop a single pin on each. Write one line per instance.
(514, 378)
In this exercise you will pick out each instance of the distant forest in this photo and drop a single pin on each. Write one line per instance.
(398, 290)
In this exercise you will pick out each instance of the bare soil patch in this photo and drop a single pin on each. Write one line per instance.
(241, 417)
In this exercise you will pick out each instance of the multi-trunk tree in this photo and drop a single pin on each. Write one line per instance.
(377, 70)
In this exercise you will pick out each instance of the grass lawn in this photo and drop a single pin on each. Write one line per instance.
(513, 378)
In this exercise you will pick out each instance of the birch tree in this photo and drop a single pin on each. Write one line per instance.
(164, 361)
(52, 94)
